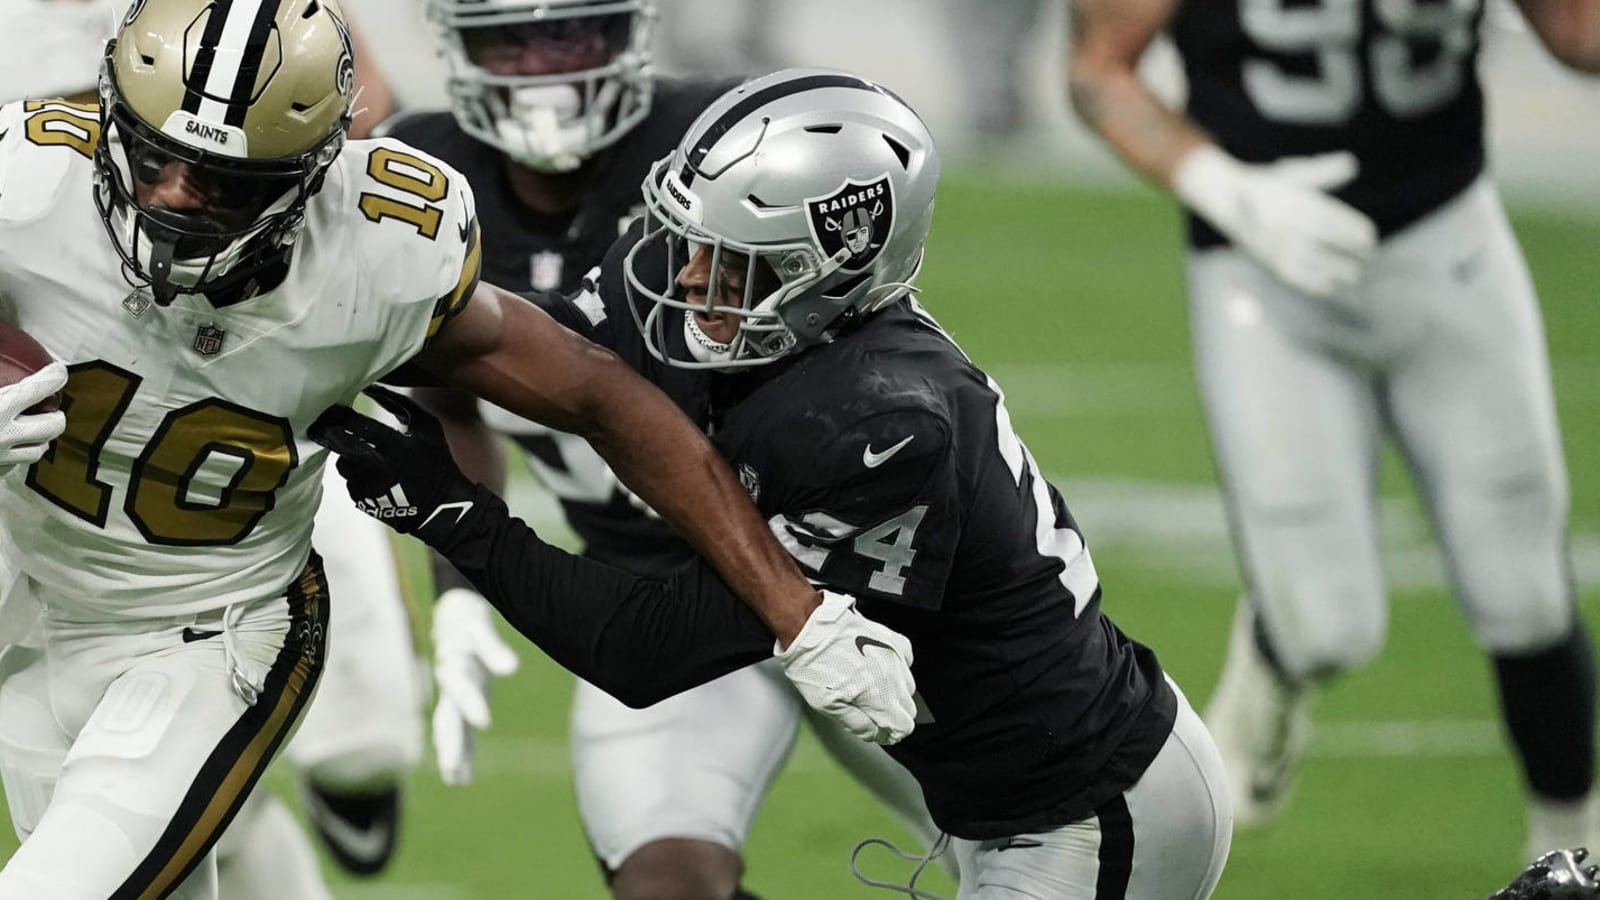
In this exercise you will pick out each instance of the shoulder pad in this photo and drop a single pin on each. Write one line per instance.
(41, 142)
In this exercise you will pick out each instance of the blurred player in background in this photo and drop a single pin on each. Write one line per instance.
(557, 116)
(1351, 276)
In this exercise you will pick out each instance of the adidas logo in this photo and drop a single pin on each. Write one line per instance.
(392, 505)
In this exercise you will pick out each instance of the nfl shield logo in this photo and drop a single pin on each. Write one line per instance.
(546, 274)
(857, 216)
(208, 340)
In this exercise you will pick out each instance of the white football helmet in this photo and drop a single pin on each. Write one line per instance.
(823, 181)
(547, 82)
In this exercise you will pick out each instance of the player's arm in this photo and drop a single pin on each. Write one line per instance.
(641, 639)
(1279, 213)
(507, 351)
(1569, 29)
(1108, 38)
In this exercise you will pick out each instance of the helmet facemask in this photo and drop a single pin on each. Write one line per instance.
(783, 303)
(548, 84)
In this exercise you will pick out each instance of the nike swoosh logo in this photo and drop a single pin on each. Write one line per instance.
(364, 844)
(873, 460)
(466, 230)
(190, 635)
(863, 642)
(1018, 844)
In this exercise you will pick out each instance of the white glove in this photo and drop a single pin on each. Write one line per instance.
(24, 437)
(1281, 214)
(467, 654)
(853, 670)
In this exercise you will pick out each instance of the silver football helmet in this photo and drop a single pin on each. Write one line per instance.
(547, 82)
(820, 183)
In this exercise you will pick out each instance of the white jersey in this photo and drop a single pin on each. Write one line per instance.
(185, 480)
(51, 48)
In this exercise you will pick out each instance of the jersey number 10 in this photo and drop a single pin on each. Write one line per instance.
(1405, 83)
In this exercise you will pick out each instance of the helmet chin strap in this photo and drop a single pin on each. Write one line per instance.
(163, 246)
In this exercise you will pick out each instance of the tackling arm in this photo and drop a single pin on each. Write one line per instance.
(1569, 29)
(513, 354)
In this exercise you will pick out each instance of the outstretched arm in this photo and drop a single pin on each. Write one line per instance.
(513, 354)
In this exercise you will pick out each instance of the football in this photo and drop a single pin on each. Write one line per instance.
(21, 356)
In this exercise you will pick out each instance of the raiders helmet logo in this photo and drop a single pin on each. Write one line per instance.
(857, 216)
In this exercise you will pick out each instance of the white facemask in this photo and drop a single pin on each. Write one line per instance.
(547, 127)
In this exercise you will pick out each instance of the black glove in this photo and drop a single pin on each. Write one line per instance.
(404, 479)
(1557, 875)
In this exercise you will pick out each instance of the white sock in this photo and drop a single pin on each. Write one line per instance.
(1560, 825)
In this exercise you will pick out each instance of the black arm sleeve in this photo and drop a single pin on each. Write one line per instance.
(640, 640)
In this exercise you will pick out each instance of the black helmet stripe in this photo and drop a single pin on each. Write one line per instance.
(255, 51)
(204, 58)
(738, 111)
(218, 89)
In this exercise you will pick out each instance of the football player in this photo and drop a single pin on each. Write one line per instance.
(362, 734)
(213, 264)
(768, 292)
(1352, 277)
(556, 118)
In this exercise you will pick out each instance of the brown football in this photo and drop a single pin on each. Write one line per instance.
(21, 356)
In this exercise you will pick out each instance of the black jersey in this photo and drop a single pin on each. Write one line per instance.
(524, 250)
(1395, 83)
(886, 464)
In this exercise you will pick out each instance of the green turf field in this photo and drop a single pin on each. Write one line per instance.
(1074, 301)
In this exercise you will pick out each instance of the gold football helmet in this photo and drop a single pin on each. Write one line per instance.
(249, 102)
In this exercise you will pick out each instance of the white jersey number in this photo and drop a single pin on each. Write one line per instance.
(244, 456)
(1406, 83)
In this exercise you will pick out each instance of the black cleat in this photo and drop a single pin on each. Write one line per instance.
(360, 831)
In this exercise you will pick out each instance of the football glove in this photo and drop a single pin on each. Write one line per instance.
(404, 479)
(1557, 875)
(24, 436)
(1281, 214)
(468, 654)
(853, 670)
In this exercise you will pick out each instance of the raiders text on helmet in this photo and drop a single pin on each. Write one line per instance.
(822, 180)
(253, 96)
(547, 82)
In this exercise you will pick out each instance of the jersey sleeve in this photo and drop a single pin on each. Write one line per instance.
(639, 639)
(420, 238)
(877, 514)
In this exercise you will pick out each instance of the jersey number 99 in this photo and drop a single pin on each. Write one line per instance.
(1406, 83)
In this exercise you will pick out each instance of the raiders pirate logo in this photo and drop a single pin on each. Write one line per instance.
(857, 216)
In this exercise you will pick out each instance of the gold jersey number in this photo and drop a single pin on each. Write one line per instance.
(248, 453)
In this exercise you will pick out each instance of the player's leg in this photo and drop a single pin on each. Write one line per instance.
(364, 732)
(172, 723)
(265, 855)
(1475, 413)
(1295, 429)
(667, 793)
(1165, 838)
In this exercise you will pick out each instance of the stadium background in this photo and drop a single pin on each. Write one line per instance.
(1063, 277)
